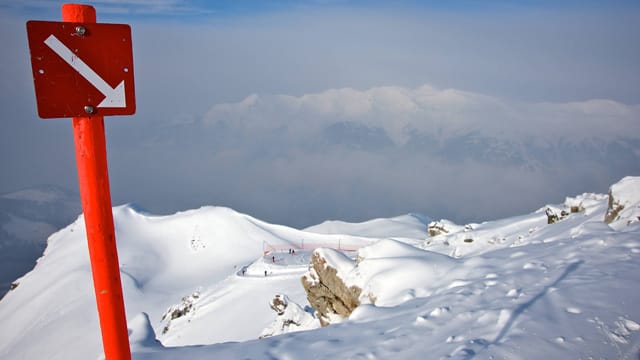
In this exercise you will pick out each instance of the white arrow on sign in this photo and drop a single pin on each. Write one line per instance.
(114, 97)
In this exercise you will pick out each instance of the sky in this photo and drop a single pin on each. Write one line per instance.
(297, 112)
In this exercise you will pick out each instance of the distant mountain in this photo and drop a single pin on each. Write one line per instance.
(618, 155)
(27, 218)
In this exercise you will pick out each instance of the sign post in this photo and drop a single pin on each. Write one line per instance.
(84, 70)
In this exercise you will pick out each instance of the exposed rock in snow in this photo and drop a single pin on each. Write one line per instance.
(290, 317)
(185, 307)
(279, 304)
(554, 214)
(624, 202)
(326, 290)
(385, 273)
(447, 227)
(436, 228)
(570, 206)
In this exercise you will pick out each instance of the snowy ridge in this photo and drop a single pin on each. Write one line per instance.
(410, 226)
(512, 288)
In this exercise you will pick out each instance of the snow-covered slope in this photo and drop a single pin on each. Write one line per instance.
(163, 259)
(517, 288)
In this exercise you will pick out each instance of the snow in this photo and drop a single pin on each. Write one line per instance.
(515, 288)
(410, 226)
(338, 260)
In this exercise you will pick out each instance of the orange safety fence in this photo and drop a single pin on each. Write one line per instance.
(269, 248)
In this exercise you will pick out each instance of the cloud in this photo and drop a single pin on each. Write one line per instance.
(444, 152)
(522, 108)
(426, 110)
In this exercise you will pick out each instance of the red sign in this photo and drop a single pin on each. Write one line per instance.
(81, 69)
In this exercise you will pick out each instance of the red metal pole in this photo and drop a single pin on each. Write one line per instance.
(93, 176)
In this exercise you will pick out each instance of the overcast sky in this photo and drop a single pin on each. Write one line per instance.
(301, 111)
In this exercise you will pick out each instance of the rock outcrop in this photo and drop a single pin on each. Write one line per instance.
(279, 304)
(554, 215)
(290, 317)
(443, 226)
(385, 273)
(624, 201)
(332, 299)
(436, 228)
(613, 209)
(185, 307)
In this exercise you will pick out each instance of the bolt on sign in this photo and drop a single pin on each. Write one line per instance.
(81, 69)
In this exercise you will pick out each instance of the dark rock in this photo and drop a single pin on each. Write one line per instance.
(279, 304)
(552, 216)
(436, 228)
